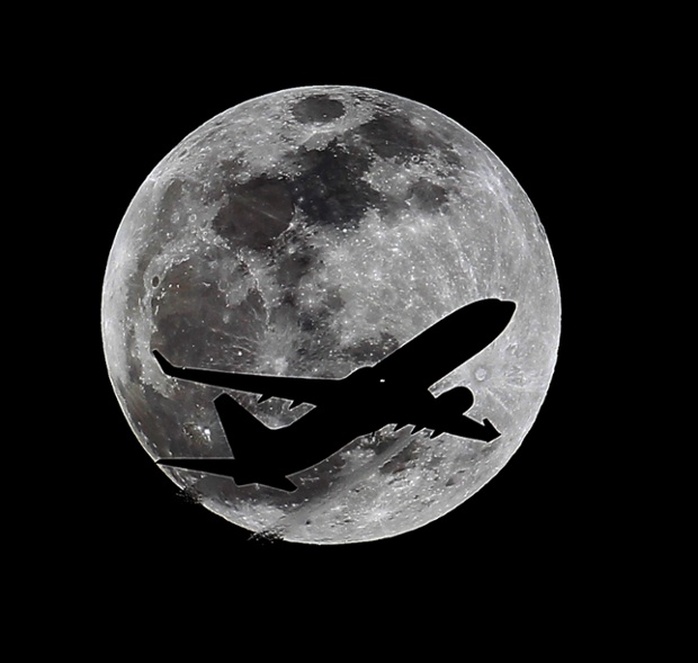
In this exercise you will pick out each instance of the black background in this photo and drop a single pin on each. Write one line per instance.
(545, 523)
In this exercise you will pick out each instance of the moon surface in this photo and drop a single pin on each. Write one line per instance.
(307, 233)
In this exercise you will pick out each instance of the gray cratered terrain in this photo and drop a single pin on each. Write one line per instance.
(308, 233)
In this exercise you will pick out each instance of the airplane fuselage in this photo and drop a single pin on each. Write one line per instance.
(364, 403)
(394, 391)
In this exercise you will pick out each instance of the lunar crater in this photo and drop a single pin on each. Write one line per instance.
(319, 108)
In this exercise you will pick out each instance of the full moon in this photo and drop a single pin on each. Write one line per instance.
(309, 233)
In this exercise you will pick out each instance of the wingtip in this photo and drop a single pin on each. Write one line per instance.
(241, 474)
(165, 365)
(245, 476)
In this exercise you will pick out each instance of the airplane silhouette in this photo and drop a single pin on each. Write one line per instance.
(393, 391)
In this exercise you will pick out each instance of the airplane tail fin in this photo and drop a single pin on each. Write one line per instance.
(254, 458)
(252, 446)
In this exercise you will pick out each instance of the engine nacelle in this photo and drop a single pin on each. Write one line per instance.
(457, 400)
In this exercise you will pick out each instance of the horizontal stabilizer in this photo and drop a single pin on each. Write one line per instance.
(489, 432)
(229, 467)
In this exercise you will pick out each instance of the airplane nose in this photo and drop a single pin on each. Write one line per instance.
(505, 311)
(501, 310)
(491, 317)
(508, 307)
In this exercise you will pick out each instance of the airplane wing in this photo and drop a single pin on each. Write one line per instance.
(448, 343)
(419, 363)
(299, 390)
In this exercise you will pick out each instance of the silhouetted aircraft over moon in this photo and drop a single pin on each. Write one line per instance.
(393, 391)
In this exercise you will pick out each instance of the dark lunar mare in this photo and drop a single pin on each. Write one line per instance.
(394, 391)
